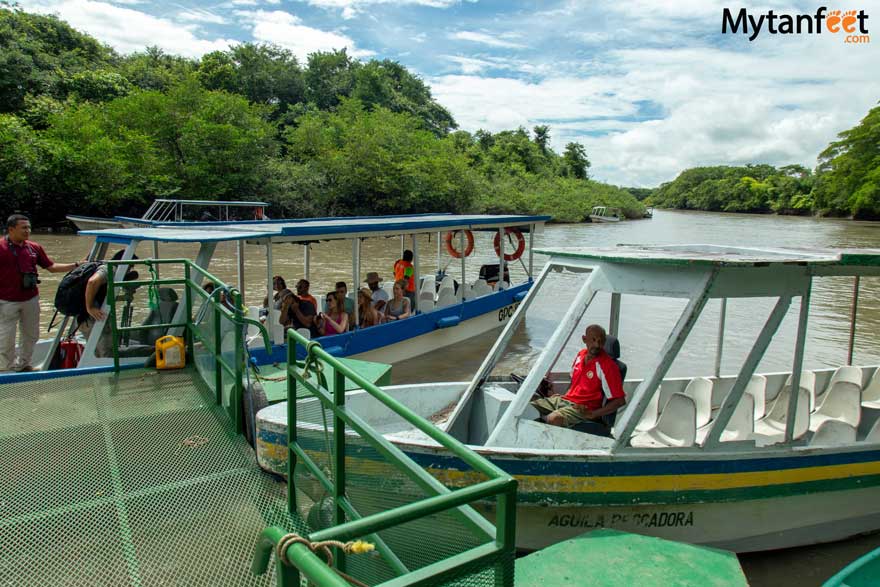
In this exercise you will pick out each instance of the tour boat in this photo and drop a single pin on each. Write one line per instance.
(605, 214)
(444, 313)
(736, 461)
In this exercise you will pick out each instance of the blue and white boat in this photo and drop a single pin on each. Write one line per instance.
(445, 314)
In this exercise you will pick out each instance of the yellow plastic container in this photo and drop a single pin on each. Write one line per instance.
(170, 353)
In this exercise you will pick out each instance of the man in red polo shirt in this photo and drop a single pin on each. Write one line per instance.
(19, 295)
(596, 388)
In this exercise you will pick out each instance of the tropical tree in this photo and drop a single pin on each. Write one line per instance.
(575, 161)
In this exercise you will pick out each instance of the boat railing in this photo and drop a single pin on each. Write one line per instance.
(350, 482)
(213, 325)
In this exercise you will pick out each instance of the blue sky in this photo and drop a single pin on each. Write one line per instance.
(649, 87)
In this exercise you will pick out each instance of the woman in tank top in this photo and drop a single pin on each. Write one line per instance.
(335, 321)
(398, 307)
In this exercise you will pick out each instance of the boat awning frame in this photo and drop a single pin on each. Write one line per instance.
(310, 230)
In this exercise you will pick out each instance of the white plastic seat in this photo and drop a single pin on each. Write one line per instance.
(468, 291)
(651, 413)
(757, 388)
(447, 281)
(676, 426)
(700, 390)
(772, 426)
(388, 287)
(305, 332)
(502, 285)
(846, 373)
(741, 425)
(833, 432)
(429, 284)
(843, 402)
(446, 297)
(426, 301)
(871, 393)
(808, 382)
(481, 288)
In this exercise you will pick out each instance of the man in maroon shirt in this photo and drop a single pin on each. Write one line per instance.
(596, 388)
(19, 295)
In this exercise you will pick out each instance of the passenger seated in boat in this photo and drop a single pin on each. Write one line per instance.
(366, 312)
(595, 380)
(298, 311)
(342, 294)
(302, 291)
(335, 319)
(380, 296)
(279, 299)
(398, 307)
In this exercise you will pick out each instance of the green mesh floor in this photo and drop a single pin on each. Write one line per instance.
(131, 479)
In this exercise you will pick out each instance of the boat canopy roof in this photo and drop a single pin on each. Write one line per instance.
(310, 229)
(716, 255)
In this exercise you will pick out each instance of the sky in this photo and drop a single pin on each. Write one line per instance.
(650, 88)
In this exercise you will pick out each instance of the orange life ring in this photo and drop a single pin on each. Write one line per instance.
(450, 246)
(520, 244)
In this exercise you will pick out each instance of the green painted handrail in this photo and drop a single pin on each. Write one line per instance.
(441, 499)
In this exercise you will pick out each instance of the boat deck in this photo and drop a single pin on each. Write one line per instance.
(135, 478)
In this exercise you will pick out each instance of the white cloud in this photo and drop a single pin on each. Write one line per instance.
(128, 30)
(351, 8)
(485, 39)
(199, 15)
(287, 30)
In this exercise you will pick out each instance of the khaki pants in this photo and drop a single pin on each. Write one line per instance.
(24, 316)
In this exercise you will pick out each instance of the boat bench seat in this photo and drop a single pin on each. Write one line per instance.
(833, 432)
(741, 425)
(871, 393)
(842, 402)
(771, 428)
(676, 426)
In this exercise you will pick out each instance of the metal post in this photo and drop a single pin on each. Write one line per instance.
(338, 456)
(438, 251)
(238, 385)
(614, 319)
(798, 365)
(240, 251)
(111, 302)
(461, 248)
(501, 236)
(531, 250)
(416, 270)
(190, 338)
(307, 261)
(852, 320)
(270, 294)
(719, 345)
(356, 272)
(402, 244)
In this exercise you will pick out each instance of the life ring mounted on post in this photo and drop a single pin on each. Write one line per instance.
(451, 241)
(520, 244)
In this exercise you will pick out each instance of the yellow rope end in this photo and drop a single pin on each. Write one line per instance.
(361, 547)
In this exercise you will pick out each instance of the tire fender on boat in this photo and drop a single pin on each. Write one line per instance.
(520, 244)
(450, 245)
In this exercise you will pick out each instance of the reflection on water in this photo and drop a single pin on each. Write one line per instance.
(645, 323)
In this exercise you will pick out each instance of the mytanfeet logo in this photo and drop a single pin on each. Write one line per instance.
(850, 25)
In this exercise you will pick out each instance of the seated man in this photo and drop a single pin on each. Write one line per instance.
(595, 380)
(298, 311)
(342, 295)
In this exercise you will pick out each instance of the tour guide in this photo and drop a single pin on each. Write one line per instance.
(19, 295)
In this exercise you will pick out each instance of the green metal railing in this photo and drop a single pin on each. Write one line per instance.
(348, 524)
(230, 310)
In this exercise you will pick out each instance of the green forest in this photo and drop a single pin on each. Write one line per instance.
(88, 131)
(846, 182)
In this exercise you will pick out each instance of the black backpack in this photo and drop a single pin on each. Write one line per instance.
(70, 299)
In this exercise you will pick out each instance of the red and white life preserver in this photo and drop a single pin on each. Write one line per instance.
(450, 245)
(520, 244)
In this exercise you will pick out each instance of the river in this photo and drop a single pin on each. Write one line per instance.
(645, 323)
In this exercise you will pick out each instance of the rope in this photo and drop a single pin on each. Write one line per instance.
(322, 548)
(153, 289)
